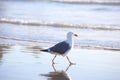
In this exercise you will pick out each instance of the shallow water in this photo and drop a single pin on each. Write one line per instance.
(27, 62)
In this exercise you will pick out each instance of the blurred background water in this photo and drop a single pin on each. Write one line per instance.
(96, 23)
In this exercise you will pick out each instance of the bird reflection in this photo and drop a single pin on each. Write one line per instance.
(58, 75)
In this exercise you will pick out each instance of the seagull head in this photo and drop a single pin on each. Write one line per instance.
(70, 34)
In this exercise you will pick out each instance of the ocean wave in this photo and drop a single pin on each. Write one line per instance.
(57, 24)
(115, 2)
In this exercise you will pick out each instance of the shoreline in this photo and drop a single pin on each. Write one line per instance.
(46, 44)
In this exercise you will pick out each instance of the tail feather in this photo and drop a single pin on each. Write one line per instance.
(45, 50)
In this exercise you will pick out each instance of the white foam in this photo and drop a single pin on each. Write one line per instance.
(58, 24)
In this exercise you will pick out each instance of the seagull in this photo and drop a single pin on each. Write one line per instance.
(62, 48)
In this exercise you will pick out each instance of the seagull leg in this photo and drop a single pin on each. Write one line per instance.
(54, 67)
(70, 61)
(54, 59)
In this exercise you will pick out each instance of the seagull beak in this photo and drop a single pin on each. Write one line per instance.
(76, 35)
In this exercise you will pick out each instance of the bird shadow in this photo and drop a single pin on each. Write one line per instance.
(57, 74)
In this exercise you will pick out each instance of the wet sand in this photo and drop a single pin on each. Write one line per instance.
(18, 62)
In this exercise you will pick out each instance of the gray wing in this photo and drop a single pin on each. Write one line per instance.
(60, 48)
